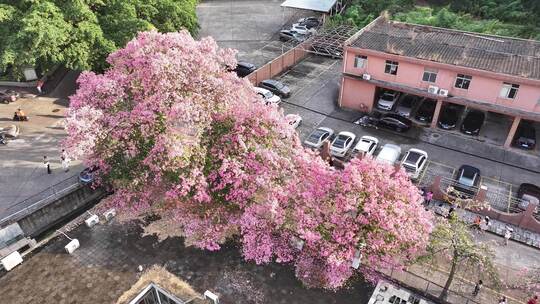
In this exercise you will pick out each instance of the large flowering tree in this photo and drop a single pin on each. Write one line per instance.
(175, 133)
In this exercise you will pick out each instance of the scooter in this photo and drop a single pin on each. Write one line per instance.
(19, 117)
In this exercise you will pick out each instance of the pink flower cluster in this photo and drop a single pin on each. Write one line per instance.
(175, 133)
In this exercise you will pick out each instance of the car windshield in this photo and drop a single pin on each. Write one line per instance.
(467, 178)
(268, 94)
(340, 141)
(315, 136)
(387, 96)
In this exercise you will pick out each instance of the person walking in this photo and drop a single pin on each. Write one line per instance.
(65, 161)
(47, 164)
(477, 288)
(533, 300)
(429, 197)
(507, 235)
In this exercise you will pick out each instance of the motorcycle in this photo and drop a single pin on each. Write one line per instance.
(368, 121)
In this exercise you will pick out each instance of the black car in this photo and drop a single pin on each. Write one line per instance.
(395, 122)
(473, 122)
(467, 179)
(525, 136)
(276, 87)
(309, 22)
(528, 193)
(425, 110)
(244, 68)
(449, 118)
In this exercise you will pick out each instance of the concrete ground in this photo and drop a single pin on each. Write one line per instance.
(250, 26)
(315, 84)
(106, 265)
(23, 173)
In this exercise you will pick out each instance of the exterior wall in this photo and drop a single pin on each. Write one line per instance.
(485, 86)
(279, 64)
(357, 95)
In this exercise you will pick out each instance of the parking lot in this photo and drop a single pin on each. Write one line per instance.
(315, 84)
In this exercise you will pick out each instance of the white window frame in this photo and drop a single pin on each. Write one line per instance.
(394, 65)
(507, 88)
(432, 73)
(463, 78)
(360, 59)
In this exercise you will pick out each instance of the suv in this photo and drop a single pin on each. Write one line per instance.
(276, 87)
(467, 179)
(395, 122)
(244, 68)
(387, 100)
(414, 162)
(389, 154)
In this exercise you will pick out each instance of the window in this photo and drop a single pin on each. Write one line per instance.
(430, 75)
(463, 81)
(391, 67)
(509, 90)
(360, 61)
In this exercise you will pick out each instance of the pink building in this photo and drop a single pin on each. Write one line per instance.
(488, 73)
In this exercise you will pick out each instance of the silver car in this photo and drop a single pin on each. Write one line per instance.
(387, 100)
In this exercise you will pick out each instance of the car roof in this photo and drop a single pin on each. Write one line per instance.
(414, 150)
(324, 129)
(469, 168)
(270, 81)
(392, 146)
(260, 90)
(246, 64)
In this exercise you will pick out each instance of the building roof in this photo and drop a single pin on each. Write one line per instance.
(512, 56)
(313, 5)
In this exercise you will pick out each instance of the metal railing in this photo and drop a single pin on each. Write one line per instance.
(40, 199)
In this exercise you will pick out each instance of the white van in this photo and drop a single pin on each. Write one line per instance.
(389, 154)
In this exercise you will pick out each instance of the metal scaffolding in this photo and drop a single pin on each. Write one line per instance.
(329, 41)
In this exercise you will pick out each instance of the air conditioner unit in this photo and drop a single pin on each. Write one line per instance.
(443, 92)
(433, 89)
(366, 76)
(72, 246)
(109, 214)
(210, 295)
(91, 221)
(12, 260)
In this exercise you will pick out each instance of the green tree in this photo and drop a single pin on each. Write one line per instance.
(452, 241)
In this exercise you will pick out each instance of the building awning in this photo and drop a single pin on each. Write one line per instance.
(323, 6)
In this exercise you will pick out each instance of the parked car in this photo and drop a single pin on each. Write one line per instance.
(294, 120)
(387, 100)
(289, 35)
(426, 110)
(366, 145)
(8, 96)
(414, 162)
(342, 143)
(244, 68)
(300, 29)
(406, 104)
(11, 131)
(473, 122)
(276, 87)
(268, 97)
(86, 177)
(525, 136)
(467, 179)
(449, 118)
(527, 194)
(389, 154)
(309, 22)
(317, 138)
(395, 122)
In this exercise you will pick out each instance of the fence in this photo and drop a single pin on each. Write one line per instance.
(39, 200)
(280, 64)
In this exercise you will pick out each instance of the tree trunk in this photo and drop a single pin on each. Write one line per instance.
(444, 293)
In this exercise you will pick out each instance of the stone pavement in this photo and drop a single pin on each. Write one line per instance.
(106, 265)
(23, 173)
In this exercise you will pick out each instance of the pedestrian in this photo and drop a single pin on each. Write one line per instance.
(485, 224)
(503, 300)
(477, 288)
(477, 222)
(429, 196)
(507, 235)
(533, 300)
(65, 161)
(47, 164)
(39, 86)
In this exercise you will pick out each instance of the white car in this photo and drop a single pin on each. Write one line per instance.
(367, 145)
(387, 100)
(300, 29)
(269, 97)
(317, 138)
(342, 143)
(414, 162)
(389, 154)
(294, 120)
